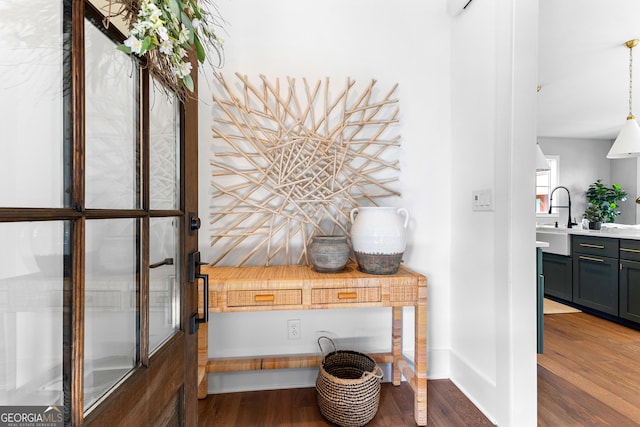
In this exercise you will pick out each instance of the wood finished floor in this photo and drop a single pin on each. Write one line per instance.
(447, 406)
(589, 376)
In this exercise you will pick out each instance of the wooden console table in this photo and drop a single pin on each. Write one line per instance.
(299, 287)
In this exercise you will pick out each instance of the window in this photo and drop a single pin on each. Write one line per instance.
(546, 181)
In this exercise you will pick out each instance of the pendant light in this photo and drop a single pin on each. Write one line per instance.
(627, 144)
(541, 162)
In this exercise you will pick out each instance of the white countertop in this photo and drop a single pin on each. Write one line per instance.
(617, 231)
(540, 244)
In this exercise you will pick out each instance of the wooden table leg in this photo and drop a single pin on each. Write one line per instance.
(420, 362)
(203, 358)
(396, 346)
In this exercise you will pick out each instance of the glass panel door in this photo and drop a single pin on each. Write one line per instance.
(91, 224)
(111, 347)
(164, 280)
(34, 255)
(31, 104)
(164, 149)
(32, 258)
(112, 155)
(113, 246)
(164, 195)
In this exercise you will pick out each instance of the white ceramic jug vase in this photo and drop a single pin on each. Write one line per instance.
(379, 238)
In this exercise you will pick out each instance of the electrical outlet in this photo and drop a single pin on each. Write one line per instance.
(293, 329)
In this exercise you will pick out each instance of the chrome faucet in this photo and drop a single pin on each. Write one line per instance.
(570, 223)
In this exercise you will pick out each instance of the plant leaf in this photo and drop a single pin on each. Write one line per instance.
(145, 45)
(175, 8)
(187, 23)
(188, 82)
(123, 48)
(196, 10)
(199, 49)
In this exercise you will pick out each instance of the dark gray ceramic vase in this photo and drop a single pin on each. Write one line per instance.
(329, 254)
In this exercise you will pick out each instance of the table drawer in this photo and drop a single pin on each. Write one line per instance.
(630, 249)
(250, 298)
(345, 295)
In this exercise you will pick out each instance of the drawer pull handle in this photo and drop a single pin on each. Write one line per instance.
(588, 258)
(587, 245)
(265, 298)
(347, 295)
(635, 251)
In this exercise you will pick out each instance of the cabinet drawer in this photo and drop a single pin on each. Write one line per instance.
(630, 249)
(599, 246)
(251, 298)
(345, 295)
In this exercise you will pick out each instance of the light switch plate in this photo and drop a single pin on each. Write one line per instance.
(482, 200)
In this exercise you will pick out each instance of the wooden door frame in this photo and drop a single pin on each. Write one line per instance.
(168, 379)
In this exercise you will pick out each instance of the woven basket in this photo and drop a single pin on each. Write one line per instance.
(348, 387)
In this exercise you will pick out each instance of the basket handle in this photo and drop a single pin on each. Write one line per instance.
(378, 373)
(320, 345)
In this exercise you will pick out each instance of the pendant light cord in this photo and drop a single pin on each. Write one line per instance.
(630, 83)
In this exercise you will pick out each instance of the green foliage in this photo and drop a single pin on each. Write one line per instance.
(603, 202)
(167, 30)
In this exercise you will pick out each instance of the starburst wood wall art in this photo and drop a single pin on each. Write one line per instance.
(291, 160)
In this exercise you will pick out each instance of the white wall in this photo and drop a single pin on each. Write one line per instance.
(405, 42)
(625, 173)
(582, 162)
(480, 70)
(494, 63)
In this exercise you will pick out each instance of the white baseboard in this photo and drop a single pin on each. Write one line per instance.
(438, 365)
(478, 388)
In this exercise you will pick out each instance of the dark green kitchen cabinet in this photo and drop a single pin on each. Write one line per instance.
(540, 300)
(629, 275)
(595, 273)
(558, 276)
(630, 290)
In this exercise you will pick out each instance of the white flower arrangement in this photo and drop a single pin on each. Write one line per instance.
(168, 30)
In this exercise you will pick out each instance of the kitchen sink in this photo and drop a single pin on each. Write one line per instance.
(558, 239)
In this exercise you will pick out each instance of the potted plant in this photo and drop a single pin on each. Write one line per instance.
(595, 216)
(603, 203)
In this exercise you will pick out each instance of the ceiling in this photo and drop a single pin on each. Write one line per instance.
(584, 67)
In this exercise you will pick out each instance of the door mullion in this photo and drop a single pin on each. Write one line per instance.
(37, 214)
(77, 320)
(143, 293)
(145, 173)
(77, 285)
